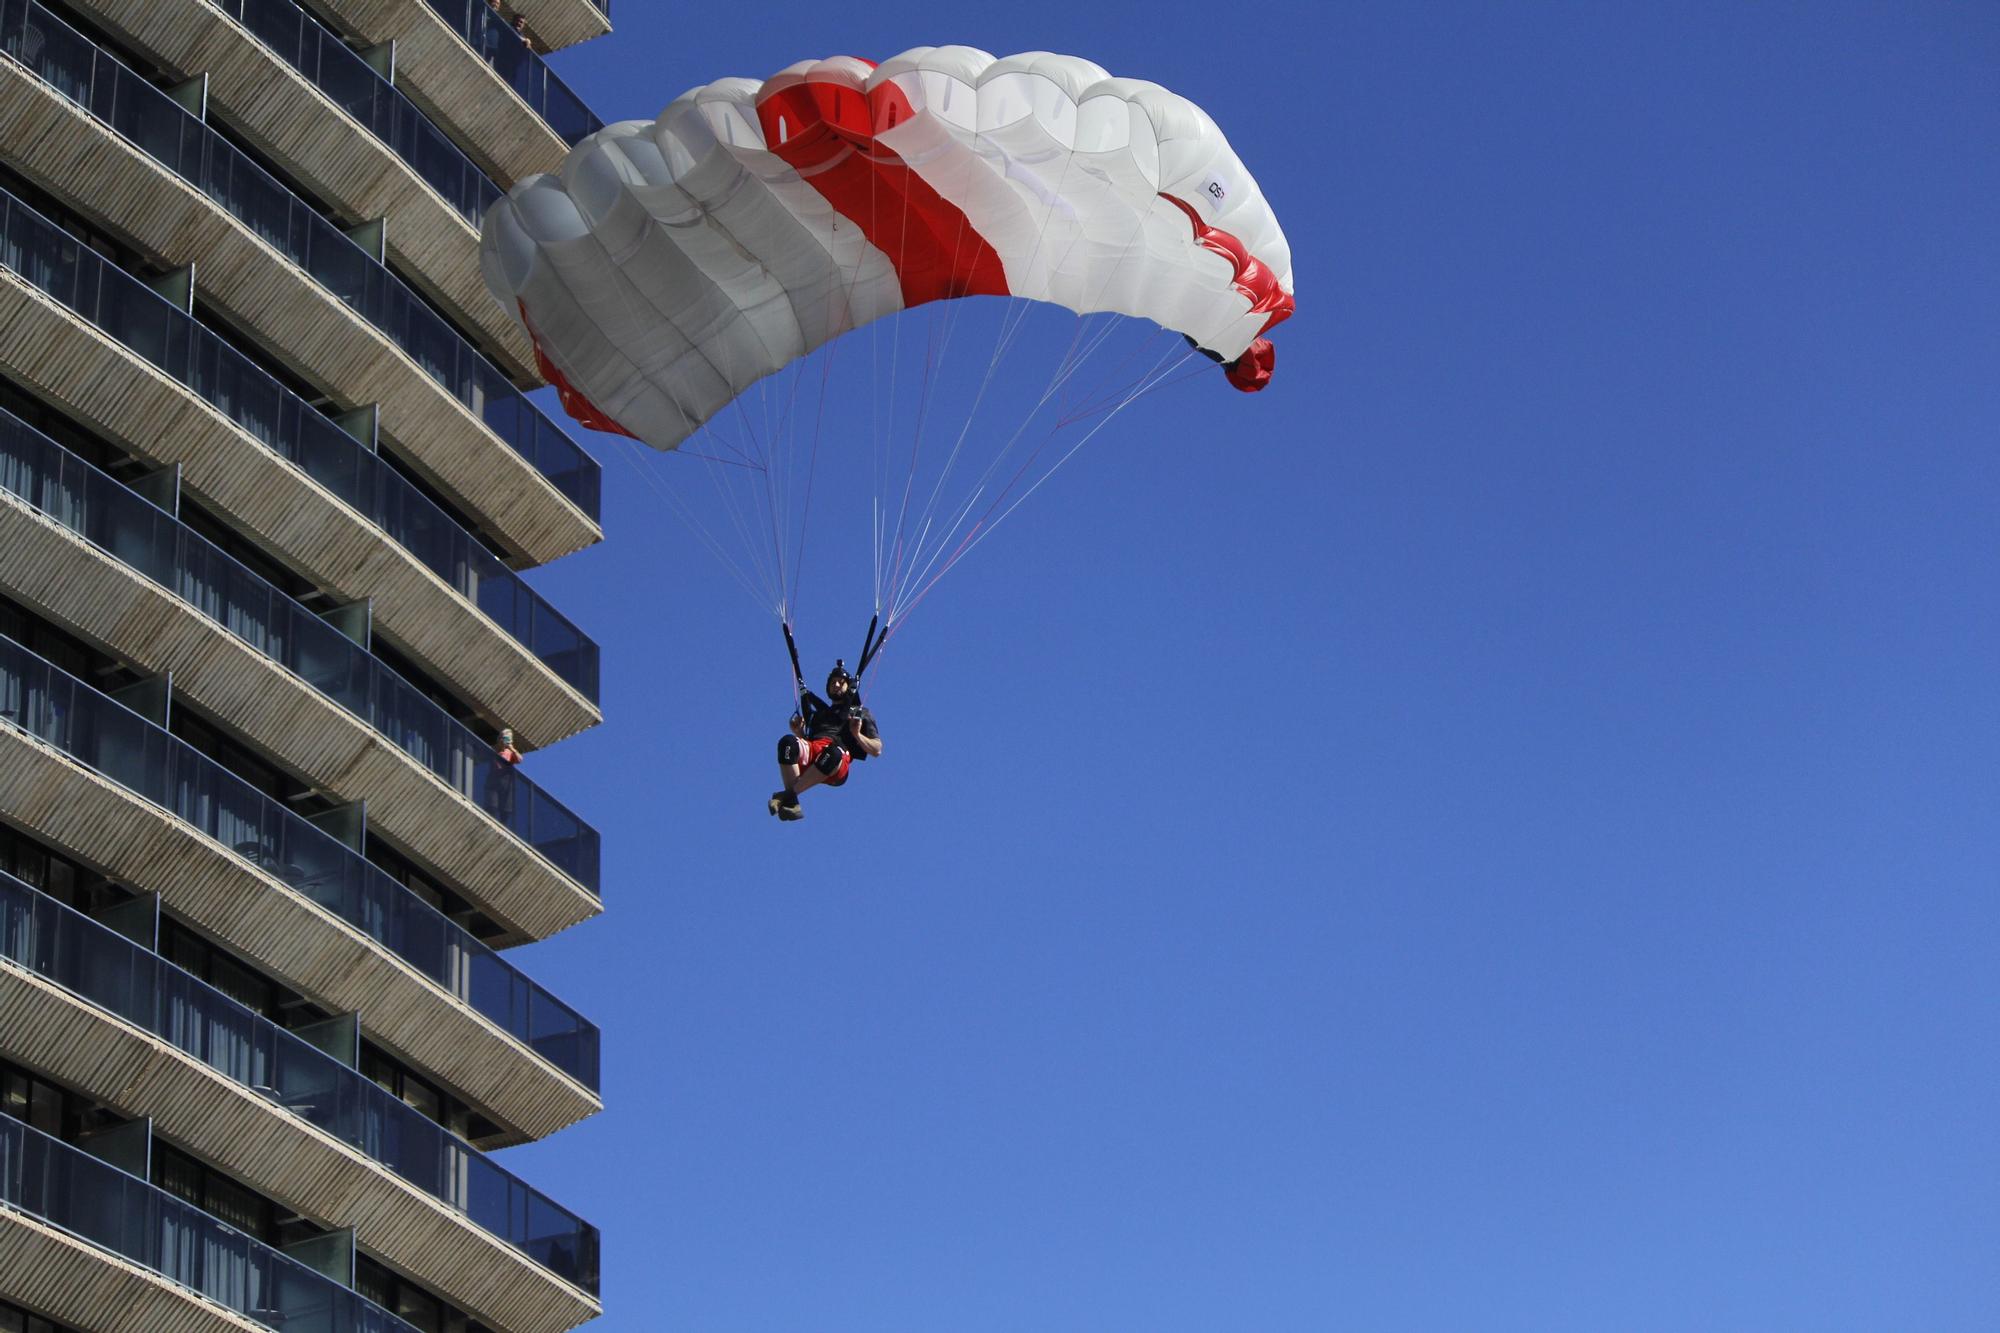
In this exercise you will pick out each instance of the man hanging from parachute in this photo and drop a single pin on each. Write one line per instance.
(672, 264)
(827, 735)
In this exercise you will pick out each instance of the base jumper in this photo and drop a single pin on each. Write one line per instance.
(827, 736)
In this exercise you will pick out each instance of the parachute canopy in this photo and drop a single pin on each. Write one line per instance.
(672, 264)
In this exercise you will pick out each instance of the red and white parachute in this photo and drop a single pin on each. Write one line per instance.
(672, 264)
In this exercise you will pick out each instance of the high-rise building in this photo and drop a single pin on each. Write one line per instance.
(267, 482)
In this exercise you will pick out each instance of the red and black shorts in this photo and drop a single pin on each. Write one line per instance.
(816, 746)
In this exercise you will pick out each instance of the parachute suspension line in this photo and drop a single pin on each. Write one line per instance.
(942, 325)
(896, 335)
(645, 462)
(1010, 329)
(904, 602)
(928, 536)
(1066, 369)
(731, 505)
(640, 311)
(785, 441)
(771, 433)
(776, 446)
(773, 506)
(769, 560)
(742, 505)
(1013, 320)
(919, 562)
(755, 453)
(909, 544)
(877, 451)
(746, 450)
(931, 361)
(1113, 401)
(908, 548)
(812, 471)
(1072, 362)
(1154, 379)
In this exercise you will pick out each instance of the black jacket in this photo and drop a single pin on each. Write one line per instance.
(823, 719)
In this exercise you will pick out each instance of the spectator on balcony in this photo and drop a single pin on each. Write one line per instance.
(490, 33)
(521, 28)
(500, 778)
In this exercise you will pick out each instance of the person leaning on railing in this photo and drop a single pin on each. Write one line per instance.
(500, 777)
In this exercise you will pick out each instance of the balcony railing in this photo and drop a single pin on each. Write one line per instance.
(354, 85)
(160, 127)
(146, 538)
(482, 29)
(116, 1211)
(117, 975)
(44, 701)
(125, 309)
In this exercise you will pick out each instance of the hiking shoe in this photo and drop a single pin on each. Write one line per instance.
(788, 813)
(777, 800)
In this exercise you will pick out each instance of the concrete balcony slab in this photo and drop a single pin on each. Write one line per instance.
(88, 591)
(81, 161)
(78, 1284)
(290, 121)
(280, 1155)
(101, 824)
(457, 89)
(110, 389)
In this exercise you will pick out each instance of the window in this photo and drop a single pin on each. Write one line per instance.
(32, 1101)
(197, 957)
(392, 1077)
(215, 1193)
(62, 879)
(421, 1309)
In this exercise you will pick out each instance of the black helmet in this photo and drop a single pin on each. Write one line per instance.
(841, 673)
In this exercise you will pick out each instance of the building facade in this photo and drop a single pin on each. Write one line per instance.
(268, 479)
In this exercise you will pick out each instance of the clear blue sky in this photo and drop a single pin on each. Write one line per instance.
(1497, 832)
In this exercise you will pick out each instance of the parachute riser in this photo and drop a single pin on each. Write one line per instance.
(869, 646)
(798, 673)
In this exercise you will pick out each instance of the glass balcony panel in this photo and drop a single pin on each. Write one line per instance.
(489, 987)
(139, 986)
(523, 70)
(275, 29)
(182, 143)
(353, 84)
(133, 533)
(490, 1200)
(223, 1038)
(67, 1187)
(557, 1241)
(44, 701)
(126, 309)
(434, 348)
(152, 541)
(53, 49)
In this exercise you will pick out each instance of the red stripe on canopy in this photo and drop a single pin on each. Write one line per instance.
(826, 131)
(581, 409)
(1251, 371)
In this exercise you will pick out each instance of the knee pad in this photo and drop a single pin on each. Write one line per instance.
(788, 750)
(829, 760)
